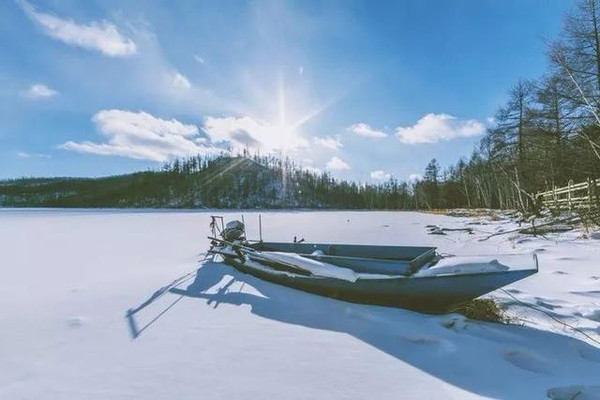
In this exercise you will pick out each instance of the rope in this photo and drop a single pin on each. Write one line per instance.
(551, 316)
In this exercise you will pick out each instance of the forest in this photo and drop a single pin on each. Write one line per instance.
(546, 134)
(210, 182)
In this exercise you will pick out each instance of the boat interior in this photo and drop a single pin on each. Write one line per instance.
(389, 260)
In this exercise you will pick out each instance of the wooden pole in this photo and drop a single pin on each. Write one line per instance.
(569, 195)
(594, 193)
(597, 198)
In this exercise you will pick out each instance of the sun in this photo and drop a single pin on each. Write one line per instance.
(282, 131)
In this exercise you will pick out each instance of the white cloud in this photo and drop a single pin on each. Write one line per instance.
(366, 131)
(380, 175)
(24, 154)
(328, 142)
(199, 59)
(337, 164)
(433, 128)
(246, 132)
(415, 177)
(180, 81)
(39, 91)
(101, 36)
(142, 136)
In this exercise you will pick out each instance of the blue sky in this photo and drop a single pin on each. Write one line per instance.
(361, 88)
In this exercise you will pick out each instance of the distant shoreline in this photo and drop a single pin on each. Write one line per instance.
(200, 210)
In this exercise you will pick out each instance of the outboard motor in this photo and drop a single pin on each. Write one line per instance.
(234, 230)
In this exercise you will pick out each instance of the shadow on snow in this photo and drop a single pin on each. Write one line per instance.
(502, 361)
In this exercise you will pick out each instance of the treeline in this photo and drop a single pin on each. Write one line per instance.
(547, 132)
(210, 182)
(275, 182)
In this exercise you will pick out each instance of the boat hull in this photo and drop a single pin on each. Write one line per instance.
(434, 294)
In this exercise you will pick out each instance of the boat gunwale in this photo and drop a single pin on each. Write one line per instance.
(390, 277)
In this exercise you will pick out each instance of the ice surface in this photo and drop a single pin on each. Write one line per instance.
(68, 279)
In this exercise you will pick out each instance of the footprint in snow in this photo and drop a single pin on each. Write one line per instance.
(528, 361)
(546, 305)
(455, 324)
(594, 277)
(424, 340)
(560, 273)
(586, 351)
(594, 315)
(523, 240)
(549, 302)
(566, 258)
(575, 392)
(432, 342)
(76, 322)
(513, 291)
(589, 293)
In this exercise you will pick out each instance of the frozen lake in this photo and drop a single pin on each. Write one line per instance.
(69, 277)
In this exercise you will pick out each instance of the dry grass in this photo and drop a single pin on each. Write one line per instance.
(483, 310)
(469, 212)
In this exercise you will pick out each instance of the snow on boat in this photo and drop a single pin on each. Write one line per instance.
(400, 276)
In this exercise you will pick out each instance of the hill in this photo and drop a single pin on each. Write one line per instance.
(197, 182)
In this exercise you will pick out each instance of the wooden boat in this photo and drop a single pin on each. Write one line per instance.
(415, 278)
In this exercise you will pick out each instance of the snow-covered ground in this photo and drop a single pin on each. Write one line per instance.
(68, 278)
